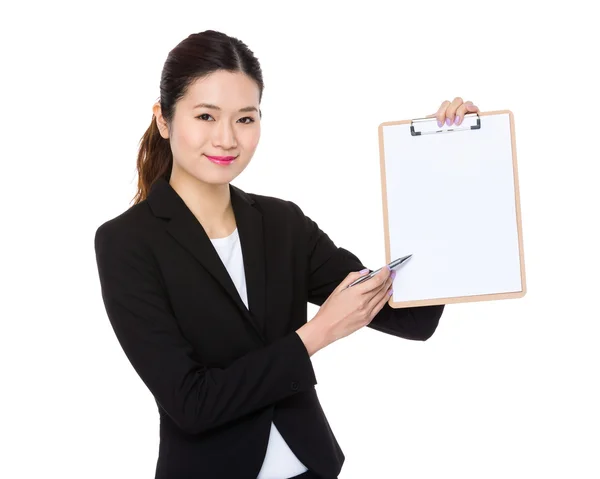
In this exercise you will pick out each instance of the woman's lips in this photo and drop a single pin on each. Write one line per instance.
(221, 160)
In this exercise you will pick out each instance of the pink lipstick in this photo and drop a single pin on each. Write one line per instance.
(221, 160)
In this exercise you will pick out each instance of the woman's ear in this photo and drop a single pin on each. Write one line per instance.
(160, 121)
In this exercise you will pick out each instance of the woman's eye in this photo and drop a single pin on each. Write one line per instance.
(205, 115)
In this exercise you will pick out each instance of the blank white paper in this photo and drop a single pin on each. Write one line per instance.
(451, 204)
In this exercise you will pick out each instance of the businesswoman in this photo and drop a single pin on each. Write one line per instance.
(206, 286)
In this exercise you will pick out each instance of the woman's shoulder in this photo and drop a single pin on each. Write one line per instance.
(277, 205)
(131, 224)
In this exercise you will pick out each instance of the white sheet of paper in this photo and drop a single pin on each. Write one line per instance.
(451, 204)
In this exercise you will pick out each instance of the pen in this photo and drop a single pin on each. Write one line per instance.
(392, 265)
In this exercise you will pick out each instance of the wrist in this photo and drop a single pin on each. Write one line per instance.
(313, 336)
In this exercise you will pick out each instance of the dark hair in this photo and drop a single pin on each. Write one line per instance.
(197, 56)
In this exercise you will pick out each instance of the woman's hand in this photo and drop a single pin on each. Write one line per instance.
(453, 112)
(347, 310)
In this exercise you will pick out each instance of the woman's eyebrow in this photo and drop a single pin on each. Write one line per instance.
(214, 107)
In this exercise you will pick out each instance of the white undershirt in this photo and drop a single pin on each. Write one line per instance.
(279, 459)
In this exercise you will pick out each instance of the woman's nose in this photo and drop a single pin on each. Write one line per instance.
(225, 136)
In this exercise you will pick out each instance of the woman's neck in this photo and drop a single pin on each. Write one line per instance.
(210, 204)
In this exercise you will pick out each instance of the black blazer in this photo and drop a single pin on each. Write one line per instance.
(219, 372)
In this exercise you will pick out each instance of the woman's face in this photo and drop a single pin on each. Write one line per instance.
(227, 124)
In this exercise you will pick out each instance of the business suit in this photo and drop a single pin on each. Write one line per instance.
(218, 371)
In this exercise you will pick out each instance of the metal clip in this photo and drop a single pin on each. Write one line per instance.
(428, 126)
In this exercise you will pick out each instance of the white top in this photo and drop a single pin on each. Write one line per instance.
(279, 460)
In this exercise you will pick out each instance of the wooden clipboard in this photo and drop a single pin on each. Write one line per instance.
(451, 198)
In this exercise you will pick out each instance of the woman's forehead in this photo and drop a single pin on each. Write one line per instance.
(223, 90)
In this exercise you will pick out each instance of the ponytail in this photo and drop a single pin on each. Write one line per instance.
(155, 160)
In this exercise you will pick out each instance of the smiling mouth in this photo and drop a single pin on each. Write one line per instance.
(221, 158)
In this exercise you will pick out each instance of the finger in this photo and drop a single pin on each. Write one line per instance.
(379, 301)
(472, 108)
(462, 110)
(460, 113)
(441, 113)
(385, 285)
(374, 284)
(451, 110)
(380, 293)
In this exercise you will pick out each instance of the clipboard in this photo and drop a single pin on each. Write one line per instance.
(451, 199)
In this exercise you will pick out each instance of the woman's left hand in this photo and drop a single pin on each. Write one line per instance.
(453, 112)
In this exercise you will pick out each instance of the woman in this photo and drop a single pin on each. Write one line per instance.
(207, 286)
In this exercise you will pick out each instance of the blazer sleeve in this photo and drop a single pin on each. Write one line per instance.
(329, 264)
(195, 396)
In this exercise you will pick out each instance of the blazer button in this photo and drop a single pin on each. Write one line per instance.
(294, 386)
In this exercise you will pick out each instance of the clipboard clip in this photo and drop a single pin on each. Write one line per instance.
(427, 126)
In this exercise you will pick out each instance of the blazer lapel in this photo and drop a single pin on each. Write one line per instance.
(188, 231)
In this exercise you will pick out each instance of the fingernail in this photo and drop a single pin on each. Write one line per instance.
(457, 120)
(388, 267)
(393, 275)
(448, 121)
(364, 271)
(440, 123)
(391, 291)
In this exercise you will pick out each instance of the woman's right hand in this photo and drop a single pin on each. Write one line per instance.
(347, 310)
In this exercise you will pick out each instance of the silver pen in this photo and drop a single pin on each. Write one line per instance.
(392, 265)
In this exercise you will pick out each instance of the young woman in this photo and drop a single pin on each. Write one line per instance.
(206, 286)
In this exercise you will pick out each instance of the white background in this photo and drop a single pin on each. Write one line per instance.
(503, 389)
